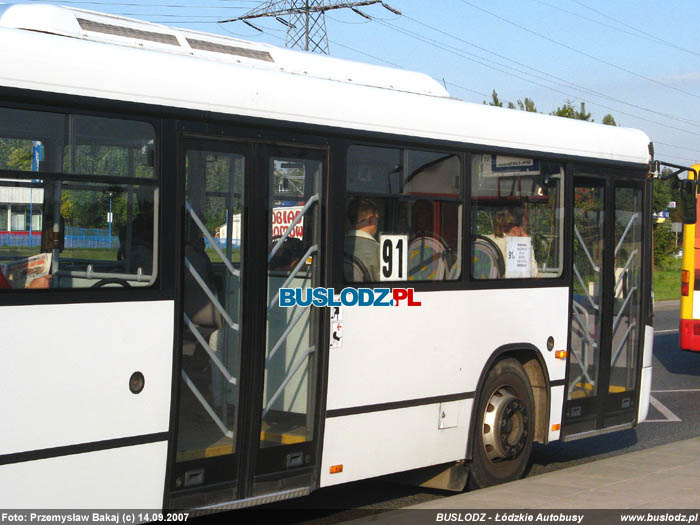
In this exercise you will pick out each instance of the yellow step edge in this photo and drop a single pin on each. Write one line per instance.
(222, 450)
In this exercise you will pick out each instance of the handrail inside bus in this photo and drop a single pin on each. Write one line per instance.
(312, 250)
(588, 254)
(284, 335)
(287, 379)
(624, 233)
(314, 198)
(622, 308)
(211, 240)
(624, 268)
(139, 276)
(228, 433)
(210, 294)
(89, 274)
(618, 351)
(582, 360)
(209, 350)
(586, 334)
(583, 285)
(583, 365)
(156, 240)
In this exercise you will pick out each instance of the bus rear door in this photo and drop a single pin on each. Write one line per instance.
(606, 326)
(247, 428)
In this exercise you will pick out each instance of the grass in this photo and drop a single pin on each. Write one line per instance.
(667, 281)
(214, 257)
(98, 254)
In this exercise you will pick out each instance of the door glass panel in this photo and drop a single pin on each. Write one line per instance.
(212, 315)
(292, 333)
(586, 306)
(627, 291)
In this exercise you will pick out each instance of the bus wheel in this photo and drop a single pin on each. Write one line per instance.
(504, 426)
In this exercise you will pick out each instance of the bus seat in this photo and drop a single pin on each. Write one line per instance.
(427, 259)
(487, 262)
(456, 269)
(354, 270)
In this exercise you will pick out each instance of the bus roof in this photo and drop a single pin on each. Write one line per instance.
(72, 51)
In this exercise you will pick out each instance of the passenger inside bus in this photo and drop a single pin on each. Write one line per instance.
(361, 246)
(509, 223)
(38, 283)
(288, 255)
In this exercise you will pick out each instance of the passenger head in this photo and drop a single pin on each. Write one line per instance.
(510, 221)
(363, 215)
(288, 255)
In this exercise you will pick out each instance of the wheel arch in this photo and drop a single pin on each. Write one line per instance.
(530, 357)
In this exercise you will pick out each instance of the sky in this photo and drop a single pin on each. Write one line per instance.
(638, 60)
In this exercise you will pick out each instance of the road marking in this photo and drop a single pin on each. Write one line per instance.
(674, 331)
(658, 405)
(680, 390)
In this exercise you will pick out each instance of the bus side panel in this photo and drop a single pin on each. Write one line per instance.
(66, 371)
(394, 440)
(127, 477)
(645, 385)
(556, 407)
(407, 355)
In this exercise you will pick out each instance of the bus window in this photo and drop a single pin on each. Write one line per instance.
(403, 212)
(78, 201)
(517, 218)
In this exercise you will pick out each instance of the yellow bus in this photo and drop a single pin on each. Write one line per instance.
(690, 291)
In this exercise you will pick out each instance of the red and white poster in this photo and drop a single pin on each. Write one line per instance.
(283, 217)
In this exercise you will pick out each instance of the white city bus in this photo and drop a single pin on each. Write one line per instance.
(171, 182)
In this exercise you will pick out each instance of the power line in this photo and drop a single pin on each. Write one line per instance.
(641, 32)
(561, 81)
(609, 26)
(360, 22)
(695, 150)
(336, 43)
(467, 89)
(450, 49)
(480, 61)
(583, 53)
(677, 157)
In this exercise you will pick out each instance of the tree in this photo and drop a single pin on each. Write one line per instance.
(609, 120)
(494, 100)
(527, 105)
(662, 193)
(582, 115)
(664, 238)
(15, 154)
(664, 243)
(569, 111)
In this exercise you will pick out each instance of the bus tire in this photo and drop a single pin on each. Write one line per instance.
(505, 426)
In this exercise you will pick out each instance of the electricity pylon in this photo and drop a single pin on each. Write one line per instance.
(306, 24)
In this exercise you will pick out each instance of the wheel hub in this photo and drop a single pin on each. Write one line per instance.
(505, 428)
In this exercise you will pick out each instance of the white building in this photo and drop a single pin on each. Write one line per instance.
(15, 206)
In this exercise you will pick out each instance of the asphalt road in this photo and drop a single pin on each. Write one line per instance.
(673, 416)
